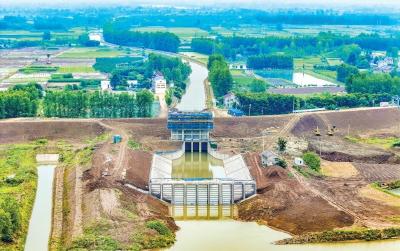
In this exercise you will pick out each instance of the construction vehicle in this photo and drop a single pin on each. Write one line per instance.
(331, 130)
(317, 132)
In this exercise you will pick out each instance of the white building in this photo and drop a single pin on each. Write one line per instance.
(159, 84)
(105, 85)
(269, 158)
(229, 100)
(238, 66)
(298, 161)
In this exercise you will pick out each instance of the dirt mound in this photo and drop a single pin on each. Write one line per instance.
(340, 150)
(20, 131)
(139, 163)
(353, 122)
(248, 126)
(285, 204)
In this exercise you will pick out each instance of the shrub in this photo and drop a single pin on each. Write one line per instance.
(159, 226)
(312, 160)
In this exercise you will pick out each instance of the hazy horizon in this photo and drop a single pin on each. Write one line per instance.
(360, 4)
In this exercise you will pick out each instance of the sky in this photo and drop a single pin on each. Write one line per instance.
(220, 3)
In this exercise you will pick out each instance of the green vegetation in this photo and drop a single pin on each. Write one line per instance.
(18, 178)
(344, 235)
(270, 61)
(38, 69)
(281, 144)
(134, 145)
(385, 143)
(312, 160)
(219, 75)
(117, 34)
(91, 53)
(20, 101)
(163, 237)
(181, 32)
(94, 239)
(266, 103)
(76, 69)
(110, 64)
(374, 84)
(78, 104)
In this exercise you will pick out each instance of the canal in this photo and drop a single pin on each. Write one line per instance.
(40, 222)
(194, 98)
(231, 235)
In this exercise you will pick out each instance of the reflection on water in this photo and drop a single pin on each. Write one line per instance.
(194, 98)
(233, 235)
(197, 165)
(202, 212)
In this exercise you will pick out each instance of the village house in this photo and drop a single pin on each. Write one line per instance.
(238, 66)
(269, 158)
(230, 100)
(159, 83)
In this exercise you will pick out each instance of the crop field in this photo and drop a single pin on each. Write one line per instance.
(182, 32)
(76, 69)
(22, 35)
(91, 53)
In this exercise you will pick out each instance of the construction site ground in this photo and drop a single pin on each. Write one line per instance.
(109, 189)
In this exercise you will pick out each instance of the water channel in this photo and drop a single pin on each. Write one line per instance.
(194, 98)
(212, 228)
(40, 222)
(197, 165)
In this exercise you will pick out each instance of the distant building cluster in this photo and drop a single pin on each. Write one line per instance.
(380, 63)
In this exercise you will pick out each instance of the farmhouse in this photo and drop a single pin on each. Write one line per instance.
(159, 83)
(229, 100)
(269, 158)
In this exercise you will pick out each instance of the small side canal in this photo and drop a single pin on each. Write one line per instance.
(40, 222)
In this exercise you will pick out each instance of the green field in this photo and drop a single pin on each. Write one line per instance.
(76, 69)
(23, 35)
(91, 53)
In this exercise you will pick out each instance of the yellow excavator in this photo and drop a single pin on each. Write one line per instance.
(317, 132)
(331, 130)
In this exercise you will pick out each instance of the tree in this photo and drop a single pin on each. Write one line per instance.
(144, 101)
(393, 52)
(46, 36)
(258, 85)
(10, 205)
(281, 143)
(344, 71)
(312, 160)
(117, 80)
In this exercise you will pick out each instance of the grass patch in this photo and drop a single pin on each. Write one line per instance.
(91, 53)
(38, 69)
(161, 236)
(76, 69)
(385, 143)
(18, 180)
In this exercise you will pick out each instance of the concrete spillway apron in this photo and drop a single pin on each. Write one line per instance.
(40, 222)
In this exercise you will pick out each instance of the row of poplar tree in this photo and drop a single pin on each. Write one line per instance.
(24, 101)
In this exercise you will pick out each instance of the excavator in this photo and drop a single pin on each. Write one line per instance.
(317, 132)
(331, 130)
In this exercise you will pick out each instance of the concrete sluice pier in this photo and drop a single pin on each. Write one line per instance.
(197, 174)
(233, 186)
(202, 212)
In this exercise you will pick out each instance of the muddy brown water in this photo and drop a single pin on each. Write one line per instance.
(231, 235)
(197, 165)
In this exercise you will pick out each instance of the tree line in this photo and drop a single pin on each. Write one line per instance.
(373, 84)
(80, 104)
(164, 41)
(269, 104)
(295, 46)
(20, 101)
(270, 61)
(25, 100)
(219, 75)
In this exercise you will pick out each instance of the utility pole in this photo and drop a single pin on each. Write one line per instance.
(249, 109)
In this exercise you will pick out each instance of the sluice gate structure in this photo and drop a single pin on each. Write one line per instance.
(197, 174)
